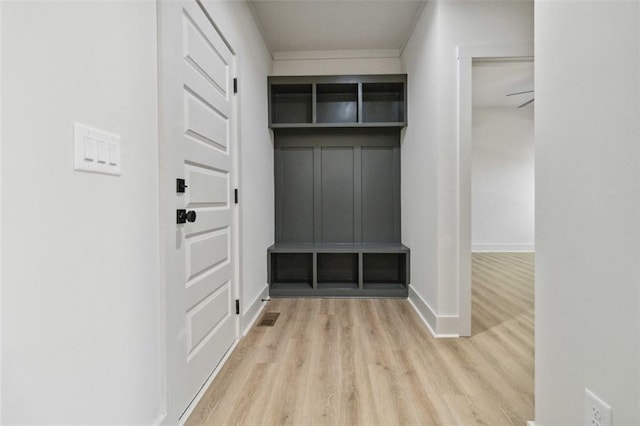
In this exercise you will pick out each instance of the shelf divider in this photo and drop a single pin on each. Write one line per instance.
(360, 271)
(357, 194)
(315, 270)
(360, 103)
(317, 194)
(314, 103)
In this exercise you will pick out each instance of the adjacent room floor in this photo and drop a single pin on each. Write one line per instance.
(373, 361)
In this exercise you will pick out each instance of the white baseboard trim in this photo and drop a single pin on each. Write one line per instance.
(498, 248)
(447, 326)
(160, 419)
(206, 385)
(531, 423)
(440, 327)
(423, 310)
(253, 311)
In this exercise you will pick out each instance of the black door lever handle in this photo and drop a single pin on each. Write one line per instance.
(186, 216)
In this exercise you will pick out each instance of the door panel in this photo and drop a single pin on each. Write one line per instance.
(205, 123)
(208, 219)
(337, 195)
(212, 44)
(206, 251)
(378, 192)
(206, 284)
(205, 316)
(199, 152)
(294, 177)
(207, 187)
(196, 69)
(198, 53)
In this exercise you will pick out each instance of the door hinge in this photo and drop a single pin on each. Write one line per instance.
(235, 195)
(237, 306)
(235, 85)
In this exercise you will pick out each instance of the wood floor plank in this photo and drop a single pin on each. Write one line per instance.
(373, 362)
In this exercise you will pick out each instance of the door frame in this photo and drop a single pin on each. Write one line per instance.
(466, 55)
(1, 6)
(172, 415)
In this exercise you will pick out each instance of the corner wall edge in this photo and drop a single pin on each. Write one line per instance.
(440, 326)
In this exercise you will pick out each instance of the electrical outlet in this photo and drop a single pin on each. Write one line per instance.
(596, 411)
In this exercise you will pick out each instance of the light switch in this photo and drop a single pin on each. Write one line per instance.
(103, 152)
(90, 151)
(96, 151)
(114, 154)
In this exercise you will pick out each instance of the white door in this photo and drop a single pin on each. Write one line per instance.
(197, 144)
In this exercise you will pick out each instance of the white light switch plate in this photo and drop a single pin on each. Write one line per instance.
(96, 151)
(596, 411)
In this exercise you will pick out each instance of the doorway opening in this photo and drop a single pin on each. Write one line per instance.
(466, 56)
(502, 193)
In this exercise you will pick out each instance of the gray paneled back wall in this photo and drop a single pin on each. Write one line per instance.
(337, 185)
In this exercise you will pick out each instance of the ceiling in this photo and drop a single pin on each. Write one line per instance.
(339, 25)
(320, 25)
(492, 80)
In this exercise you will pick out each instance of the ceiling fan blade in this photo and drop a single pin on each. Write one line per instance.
(519, 93)
(527, 103)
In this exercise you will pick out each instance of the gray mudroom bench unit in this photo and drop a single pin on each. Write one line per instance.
(337, 186)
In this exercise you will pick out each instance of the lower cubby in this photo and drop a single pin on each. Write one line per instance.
(292, 270)
(338, 270)
(384, 270)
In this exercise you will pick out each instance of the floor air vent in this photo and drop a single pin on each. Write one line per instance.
(269, 319)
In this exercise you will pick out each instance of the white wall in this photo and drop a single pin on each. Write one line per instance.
(587, 209)
(502, 211)
(429, 149)
(337, 62)
(419, 156)
(80, 302)
(256, 149)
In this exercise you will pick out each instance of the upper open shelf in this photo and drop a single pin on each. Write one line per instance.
(338, 101)
(291, 103)
(383, 102)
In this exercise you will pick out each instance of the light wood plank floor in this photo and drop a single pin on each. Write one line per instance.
(366, 362)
